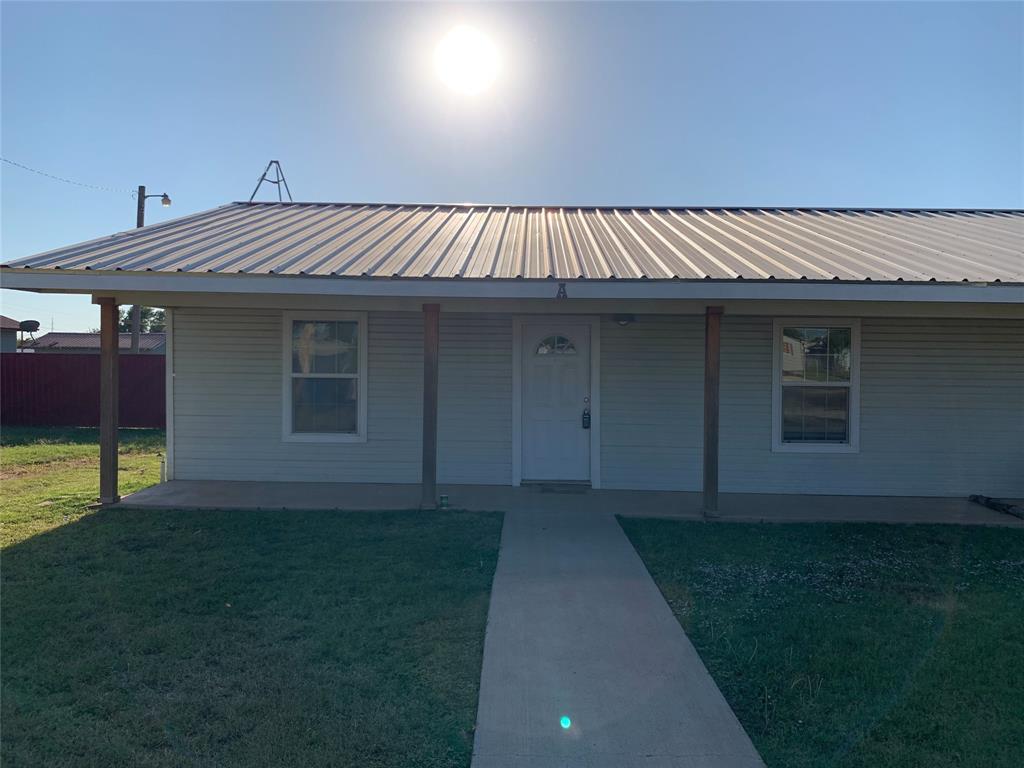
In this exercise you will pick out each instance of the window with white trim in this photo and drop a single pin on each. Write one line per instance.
(815, 397)
(324, 386)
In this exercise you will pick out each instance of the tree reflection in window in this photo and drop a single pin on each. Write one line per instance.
(556, 345)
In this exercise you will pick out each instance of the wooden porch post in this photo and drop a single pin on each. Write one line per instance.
(431, 345)
(712, 367)
(108, 400)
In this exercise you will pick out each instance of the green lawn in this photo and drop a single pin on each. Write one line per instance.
(855, 645)
(49, 476)
(140, 638)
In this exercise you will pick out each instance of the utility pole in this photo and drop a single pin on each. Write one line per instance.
(140, 215)
(140, 221)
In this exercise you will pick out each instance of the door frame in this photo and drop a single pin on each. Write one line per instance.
(518, 322)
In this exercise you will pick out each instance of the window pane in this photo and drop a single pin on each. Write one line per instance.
(331, 347)
(839, 354)
(816, 368)
(837, 414)
(792, 414)
(792, 355)
(803, 354)
(325, 405)
(556, 345)
(348, 346)
(815, 414)
(816, 354)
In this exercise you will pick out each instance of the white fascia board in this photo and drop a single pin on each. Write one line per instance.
(67, 281)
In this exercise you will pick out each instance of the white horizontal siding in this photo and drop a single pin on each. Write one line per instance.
(652, 374)
(474, 431)
(942, 406)
(227, 402)
(942, 412)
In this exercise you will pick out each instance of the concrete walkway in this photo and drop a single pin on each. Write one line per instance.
(578, 629)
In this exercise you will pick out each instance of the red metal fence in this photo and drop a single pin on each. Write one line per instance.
(59, 390)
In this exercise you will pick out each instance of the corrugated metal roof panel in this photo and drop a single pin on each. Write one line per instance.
(508, 242)
(60, 340)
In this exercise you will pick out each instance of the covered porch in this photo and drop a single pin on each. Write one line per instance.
(555, 497)
(445, 394)
(425, 494)
(666, 354)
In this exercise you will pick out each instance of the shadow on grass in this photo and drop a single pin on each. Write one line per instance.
(246, 638)
(855, 645)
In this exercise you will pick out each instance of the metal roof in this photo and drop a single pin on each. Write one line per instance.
(506, 242)
(60, 340)
(9, 323)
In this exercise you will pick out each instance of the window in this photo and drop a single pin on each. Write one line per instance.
(324, 387)
(556, 345)
(815, 398)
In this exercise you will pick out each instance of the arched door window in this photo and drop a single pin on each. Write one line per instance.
(556, 345)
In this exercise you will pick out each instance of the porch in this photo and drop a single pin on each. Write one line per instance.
(738, 507)
(635, 348)
(658, 406)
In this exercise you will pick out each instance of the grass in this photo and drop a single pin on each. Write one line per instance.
(135, 638)
(49, 476)
(855, 645)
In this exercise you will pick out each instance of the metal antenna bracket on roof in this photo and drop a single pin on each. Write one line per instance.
(278, 180)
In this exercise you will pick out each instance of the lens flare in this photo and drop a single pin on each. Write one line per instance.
(565, 722)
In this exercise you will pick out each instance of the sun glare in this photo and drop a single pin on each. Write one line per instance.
(466, 60)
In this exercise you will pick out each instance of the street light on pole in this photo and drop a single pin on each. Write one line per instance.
(140, 218)
(140, 221)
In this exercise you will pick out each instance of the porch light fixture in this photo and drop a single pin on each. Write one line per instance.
(624, 320)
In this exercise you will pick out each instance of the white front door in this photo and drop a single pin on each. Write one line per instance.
(556, 392)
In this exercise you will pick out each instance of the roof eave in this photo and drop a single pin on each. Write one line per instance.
(96, 282)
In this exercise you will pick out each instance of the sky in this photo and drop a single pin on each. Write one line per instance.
(768, 104)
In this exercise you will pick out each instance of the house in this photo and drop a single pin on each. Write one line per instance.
(772, 351)
(89, 343)
(9, 334)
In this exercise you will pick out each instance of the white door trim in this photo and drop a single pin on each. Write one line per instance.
(518, 321)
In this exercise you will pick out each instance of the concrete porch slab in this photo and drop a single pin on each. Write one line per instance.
(741, 507)
(577, 629)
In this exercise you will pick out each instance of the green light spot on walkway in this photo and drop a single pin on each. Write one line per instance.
(565, 722)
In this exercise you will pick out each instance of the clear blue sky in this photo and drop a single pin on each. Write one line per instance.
(875, 104)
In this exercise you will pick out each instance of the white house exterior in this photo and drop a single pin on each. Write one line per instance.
(826, 352)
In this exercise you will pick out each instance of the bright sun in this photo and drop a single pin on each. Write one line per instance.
(466, 60)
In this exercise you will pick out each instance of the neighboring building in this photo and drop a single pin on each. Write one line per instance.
(8, 334)
(773, 351)
(89, 343)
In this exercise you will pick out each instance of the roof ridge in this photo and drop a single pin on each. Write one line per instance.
(565, 206)
(97, 333)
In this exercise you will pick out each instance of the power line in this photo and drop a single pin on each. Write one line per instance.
(67, 181)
